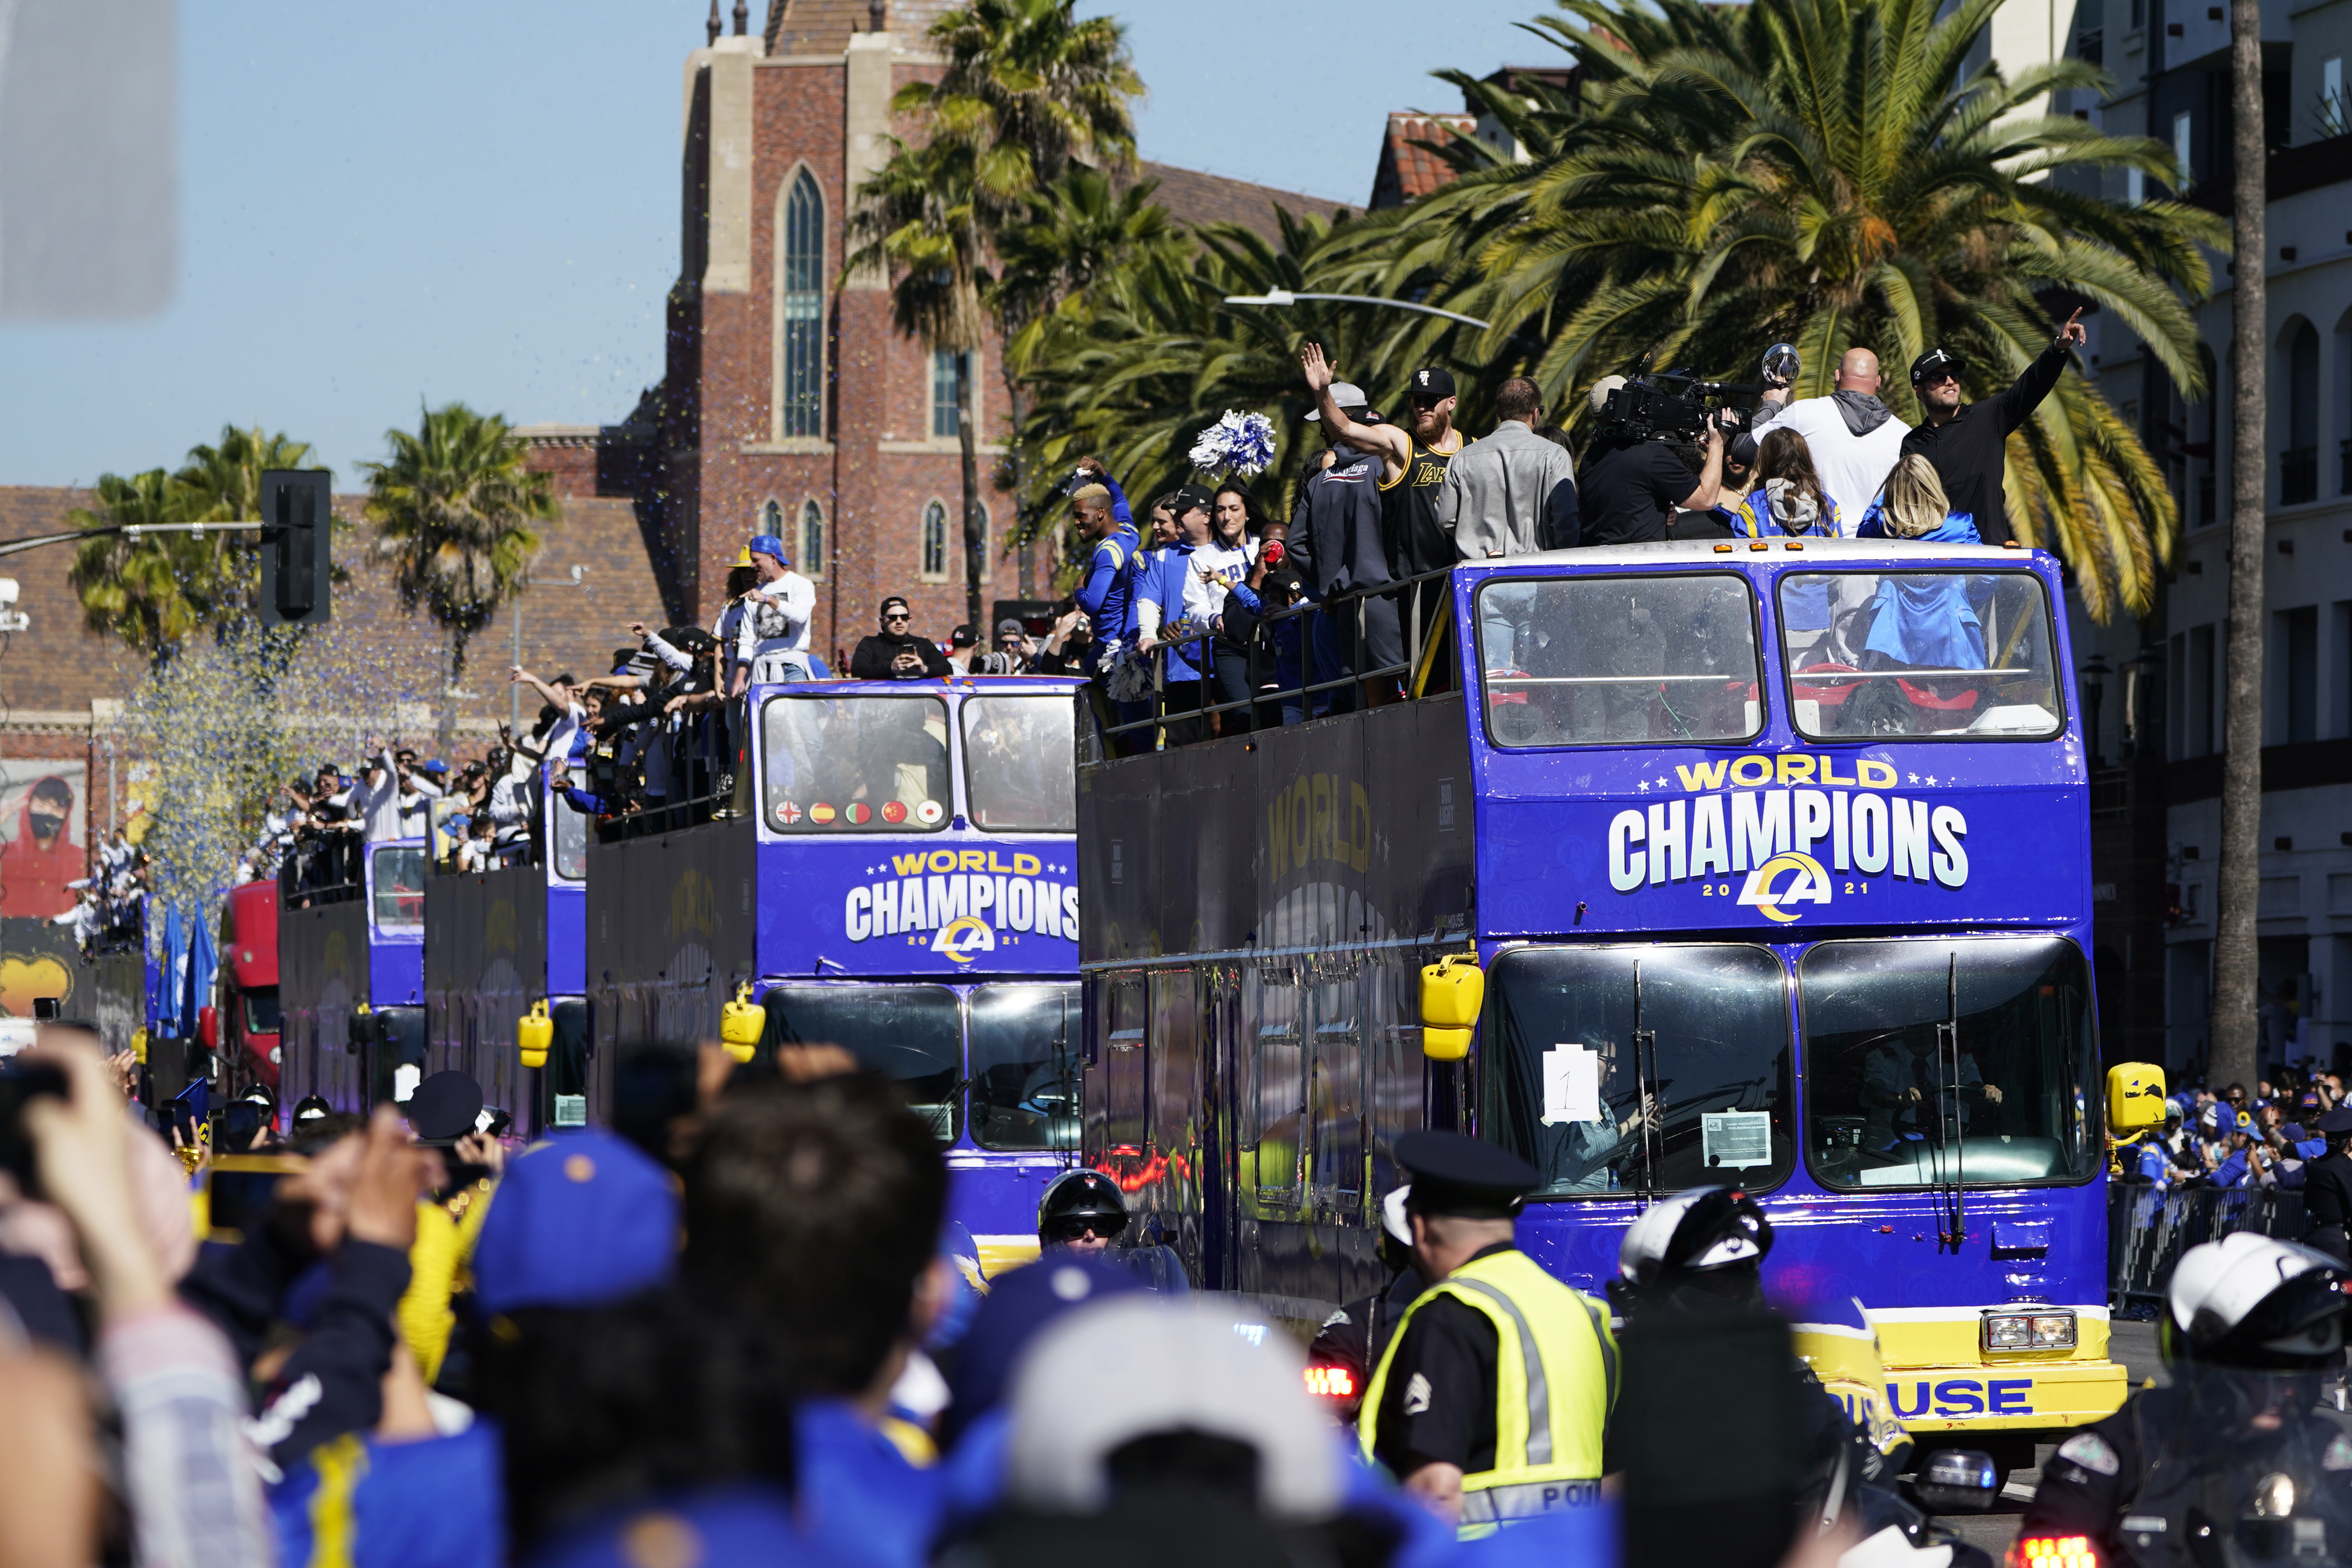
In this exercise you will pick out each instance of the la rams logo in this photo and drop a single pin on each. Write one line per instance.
(959, 938)
(1810, 886)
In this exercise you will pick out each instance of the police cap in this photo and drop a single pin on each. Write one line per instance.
(444, 1107)
(1457, 1175)
(2336, 1120)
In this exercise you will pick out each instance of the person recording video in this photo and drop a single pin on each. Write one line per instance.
(1632, 482)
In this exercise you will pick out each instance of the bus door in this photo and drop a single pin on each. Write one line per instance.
(1224, 1068)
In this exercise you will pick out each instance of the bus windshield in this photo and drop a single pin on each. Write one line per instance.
(857, 765)
(911, 1033)
(1021, 765)
(1626, 1069)
(400, 886)
(1922, 654)
(1596, 661)
(1930, 1062)
(1024, 1076)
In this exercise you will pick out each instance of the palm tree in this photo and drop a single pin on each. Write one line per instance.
(1029, 89)
(1821, 172)
(453, 509)
(918, 217)
(152, 593)
(1148, 353)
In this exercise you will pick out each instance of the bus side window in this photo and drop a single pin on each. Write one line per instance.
(1173, 1058)
(1337, 1096)
(1280, 1083)
(1123, 1064)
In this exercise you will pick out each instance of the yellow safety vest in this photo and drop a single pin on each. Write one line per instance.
(1554, 1382)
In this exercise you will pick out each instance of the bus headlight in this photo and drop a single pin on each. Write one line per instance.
(2042, 1330)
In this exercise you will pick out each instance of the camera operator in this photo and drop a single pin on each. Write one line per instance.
(1632, 484)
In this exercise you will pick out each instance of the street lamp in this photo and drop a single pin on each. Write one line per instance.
(1284, 297)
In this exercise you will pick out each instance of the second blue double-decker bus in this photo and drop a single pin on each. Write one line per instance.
(1774, 858)
(904, 885)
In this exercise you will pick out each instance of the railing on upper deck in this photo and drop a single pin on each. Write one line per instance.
(334, 869)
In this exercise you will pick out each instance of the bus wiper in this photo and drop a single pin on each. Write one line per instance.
(1646, 1089)
(1947, 1034)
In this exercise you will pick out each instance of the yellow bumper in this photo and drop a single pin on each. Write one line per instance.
(1939, 1380)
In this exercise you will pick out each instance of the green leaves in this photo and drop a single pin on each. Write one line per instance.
(152, 594)
(452, 509)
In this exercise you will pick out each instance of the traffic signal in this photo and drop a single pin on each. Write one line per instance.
(298, 527)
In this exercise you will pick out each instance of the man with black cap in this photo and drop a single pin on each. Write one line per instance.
(1339, 543)
(1493, 1398)
(2327, 1186)
(1967, 442)
(896, 653)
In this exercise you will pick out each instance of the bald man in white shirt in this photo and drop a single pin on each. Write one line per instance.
(1854, 441)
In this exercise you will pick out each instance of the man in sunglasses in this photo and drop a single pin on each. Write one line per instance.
(1082, 1212)
(1965, 441)
(896, 653)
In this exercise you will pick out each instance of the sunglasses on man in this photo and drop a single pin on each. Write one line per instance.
(1107, 1227)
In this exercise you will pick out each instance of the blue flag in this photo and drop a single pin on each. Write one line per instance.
(176, 959)
(202, 963)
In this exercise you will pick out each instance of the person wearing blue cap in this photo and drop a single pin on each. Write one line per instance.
(1454, 1409)
(773, 636)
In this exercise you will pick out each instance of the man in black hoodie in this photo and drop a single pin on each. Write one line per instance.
(894, 653)
(1966, 441)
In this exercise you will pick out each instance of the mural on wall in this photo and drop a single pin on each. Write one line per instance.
(44, 837)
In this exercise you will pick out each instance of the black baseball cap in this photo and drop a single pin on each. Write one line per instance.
(1431, 385)
(1935, 362)
(962, 637)
(1190, 498)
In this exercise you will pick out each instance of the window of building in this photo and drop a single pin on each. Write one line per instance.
(2134, 187)
(799, 309)
(2200, 691)
(2299, 461)
(813, 555)
(943, 392)
(935, 540)
(987, 545)
(2183, 124)
(2295, 658)
(2334, 114)
(771, 518)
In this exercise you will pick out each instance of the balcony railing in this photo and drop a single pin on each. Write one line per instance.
(2298, 475)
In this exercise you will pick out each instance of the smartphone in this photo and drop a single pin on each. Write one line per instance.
(1707, 1431)
(239, 1189)
(20, 1083)
(44, 1009)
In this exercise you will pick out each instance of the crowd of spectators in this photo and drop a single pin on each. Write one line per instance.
(1208, 619)
(2237, 1139)
(736, 1328)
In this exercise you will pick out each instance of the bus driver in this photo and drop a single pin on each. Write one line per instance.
(1898, 1081)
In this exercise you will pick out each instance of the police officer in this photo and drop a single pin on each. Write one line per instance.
(2251, 1325)
(1352, 1339)
(1082, 1212)
(2327, 1186)
(1491, 1401)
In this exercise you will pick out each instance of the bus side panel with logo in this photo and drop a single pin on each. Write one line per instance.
(1777, 864)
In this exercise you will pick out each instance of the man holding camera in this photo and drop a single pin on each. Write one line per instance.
(1633, 484)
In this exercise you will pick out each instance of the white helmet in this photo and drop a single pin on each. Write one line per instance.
(1392, 1218)
(1694, 1232)
(2254, 1301)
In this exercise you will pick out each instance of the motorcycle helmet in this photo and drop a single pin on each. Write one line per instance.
(2256, 1303)
(1709, 1241)
(1396, 1231)
(1076, 1198)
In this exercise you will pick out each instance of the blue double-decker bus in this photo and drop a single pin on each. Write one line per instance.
(351, 957)
(898, 879)
(497, 943)
(1773, 856)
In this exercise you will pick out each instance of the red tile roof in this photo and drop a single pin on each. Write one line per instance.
(1408, 170)
(1196, 198)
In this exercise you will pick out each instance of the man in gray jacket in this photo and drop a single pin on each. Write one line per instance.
(1513, 493)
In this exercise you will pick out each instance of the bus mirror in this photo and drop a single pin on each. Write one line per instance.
(533, 1032)
(741, 1023)
(208, 1028)
(2135, 1098)
(1452, 992)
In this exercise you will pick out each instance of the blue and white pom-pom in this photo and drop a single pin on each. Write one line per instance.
(1238, 443)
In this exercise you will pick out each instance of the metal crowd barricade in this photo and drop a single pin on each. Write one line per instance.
(2148, 1229)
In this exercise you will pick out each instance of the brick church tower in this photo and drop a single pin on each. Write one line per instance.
(788, 404)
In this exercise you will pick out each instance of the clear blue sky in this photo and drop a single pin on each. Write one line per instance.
(448, 199)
